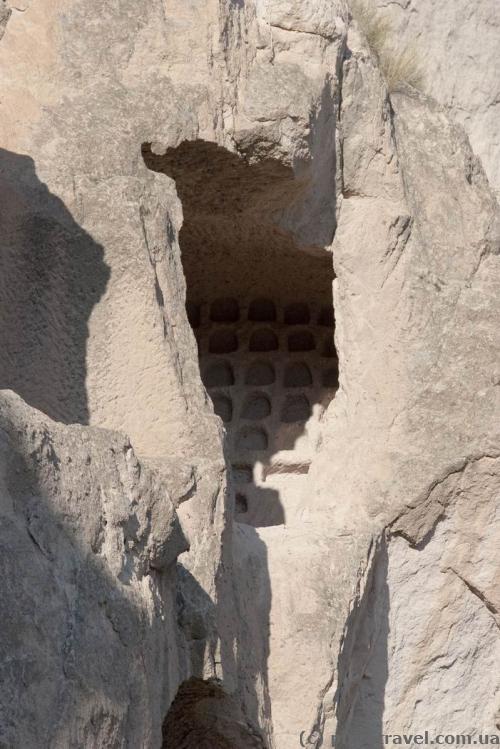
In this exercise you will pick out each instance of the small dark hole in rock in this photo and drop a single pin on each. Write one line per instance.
(257, 406)
(193, 312)
(297, 374)
(296, 408)
(297, 314)
(331, 377)
(242, 474)
(252, 438)
(225, 310)
(220, 374)
(223, 342)
(326, 317)
(260, 373)
(302, 340)
(328, 351)
(263, 340)
(223, 407)
(240, 504)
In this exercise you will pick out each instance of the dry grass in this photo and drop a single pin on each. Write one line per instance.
(399, 66)
(375, 28)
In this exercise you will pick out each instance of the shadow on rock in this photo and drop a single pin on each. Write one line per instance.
(89, 650)
(52, 274)
(363, 663)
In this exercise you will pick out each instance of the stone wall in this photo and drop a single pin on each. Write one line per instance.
(456, 46)
(156, 154)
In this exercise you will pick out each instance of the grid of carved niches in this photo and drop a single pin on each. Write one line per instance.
(268, 370)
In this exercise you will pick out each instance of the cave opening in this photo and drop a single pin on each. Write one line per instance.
(204, 716)
(262, 313)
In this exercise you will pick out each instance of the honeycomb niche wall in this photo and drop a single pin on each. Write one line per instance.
(262, 313)
(269, 369)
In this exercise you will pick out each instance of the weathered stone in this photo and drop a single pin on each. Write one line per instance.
(90, 651)
(457, 45)
(5, 12)
(227, 154)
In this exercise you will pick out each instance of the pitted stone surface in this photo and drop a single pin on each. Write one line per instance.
(271, 370)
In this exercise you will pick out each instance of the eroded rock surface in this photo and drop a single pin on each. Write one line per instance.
(457, 46)
(428, 623)
(155, 152)
(5, 12)
(90, 650)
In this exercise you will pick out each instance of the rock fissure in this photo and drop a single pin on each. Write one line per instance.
(479, 594)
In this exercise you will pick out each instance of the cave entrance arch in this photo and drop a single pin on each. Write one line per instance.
(262, 313)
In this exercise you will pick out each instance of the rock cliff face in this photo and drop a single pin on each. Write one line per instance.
(90, 649)
(181, 188)
(457, 46)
